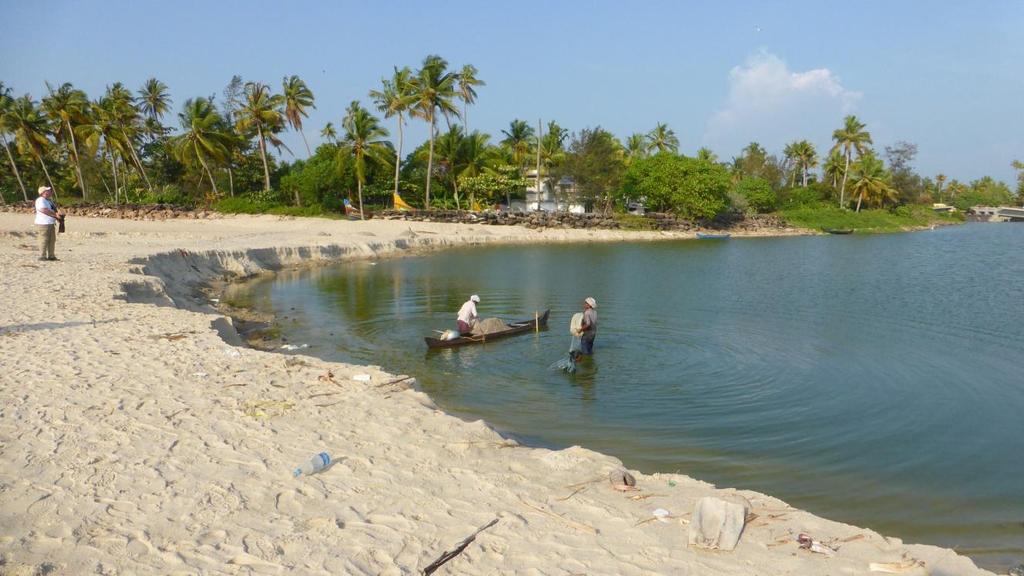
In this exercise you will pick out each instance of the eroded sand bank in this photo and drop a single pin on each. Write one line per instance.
(134, 439)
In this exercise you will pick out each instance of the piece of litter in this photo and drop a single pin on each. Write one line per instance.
(671, 482)
(293, 346)
(361, 377)
(200, 374)
(661, 514)
(808, 543)
(901, 567)
(232, 352)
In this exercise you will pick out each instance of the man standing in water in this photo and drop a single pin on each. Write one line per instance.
(47, 217)
(588, 328)
(467, 315)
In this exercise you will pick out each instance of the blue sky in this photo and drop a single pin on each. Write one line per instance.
(944, 75)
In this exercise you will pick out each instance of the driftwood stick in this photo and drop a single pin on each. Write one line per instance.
(395, 381)
(458, 549)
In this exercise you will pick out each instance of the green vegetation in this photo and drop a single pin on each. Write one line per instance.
(226, 152)
(828, 217)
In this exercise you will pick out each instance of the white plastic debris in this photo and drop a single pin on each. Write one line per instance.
(361, 377)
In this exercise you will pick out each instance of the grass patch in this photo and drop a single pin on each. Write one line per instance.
(866, 221)
(633, 222)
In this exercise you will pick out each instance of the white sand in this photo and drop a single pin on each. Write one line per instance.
(135, 440)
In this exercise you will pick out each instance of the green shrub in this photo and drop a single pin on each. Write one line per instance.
(758, 193)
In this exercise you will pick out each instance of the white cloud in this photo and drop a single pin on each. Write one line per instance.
(773, 105)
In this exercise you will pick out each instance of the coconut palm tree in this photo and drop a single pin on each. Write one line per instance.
(125, 116)
(467, 83)
(834, 167)
(707, 155)
(154, 101)
(5, 103)
(204, 137)
(297, 97)
(260, 115)
(940, 179)
(517, 141)
(635, 148)
(104, 130)
(450, 151)
(871, 181)
(851, 137)
(663, 139)
(803, 158)
(30, 130)
(363, 140)
(329, 133)
(435, 91)
(64, 106)
(394, 98)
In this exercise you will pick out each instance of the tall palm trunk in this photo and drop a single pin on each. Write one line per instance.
(47, 172)
(78, 162)
(14, 167)
(113, 166)
(263, 155)
(205, 167)
(359, 188)
(231, 180)
(303, 134)
(430, 163)
(398, 153)
(842, 191)
(135, 159)
(804, 184)
(859, 198)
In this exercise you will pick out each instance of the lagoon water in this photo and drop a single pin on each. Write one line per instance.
(874, 380)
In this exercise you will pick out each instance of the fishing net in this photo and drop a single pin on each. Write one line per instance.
(489, 326)
(568, 363)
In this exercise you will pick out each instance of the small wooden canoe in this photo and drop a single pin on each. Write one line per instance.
(710, 236)
(528, 325)
(838, 230)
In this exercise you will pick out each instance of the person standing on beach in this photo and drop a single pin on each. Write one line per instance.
(588, 328)
(467, 315)
(47, 217)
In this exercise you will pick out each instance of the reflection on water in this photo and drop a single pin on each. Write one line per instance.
(872, 380)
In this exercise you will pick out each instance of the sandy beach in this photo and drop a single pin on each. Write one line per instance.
(137, 435)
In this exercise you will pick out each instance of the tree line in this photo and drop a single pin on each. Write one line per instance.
(117, 148)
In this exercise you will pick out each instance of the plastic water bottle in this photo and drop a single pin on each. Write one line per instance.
(313, 465)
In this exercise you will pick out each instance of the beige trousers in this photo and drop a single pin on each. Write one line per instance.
(47, 234)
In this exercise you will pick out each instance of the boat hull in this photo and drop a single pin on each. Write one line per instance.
(519, 327)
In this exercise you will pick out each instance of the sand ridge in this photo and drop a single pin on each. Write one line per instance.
(134, 439)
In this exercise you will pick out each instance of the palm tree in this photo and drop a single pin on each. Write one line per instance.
(260, 115)
(803, 157)
(834, 167)
(30, 129)
(849, 138)
(663, 139)
(104, 128)
(517, 141)
(63, 106)
(154, 102)
(363, 139)
(450, 151)
(329, 133)
(393, 99)
(435, 91)
(552, 152)
(871, 181)
(707, 155)
(940, 179)
(297, 97)
(467, 93)
(203, 136)
(635, 148)
(5, 103)
(125, 116)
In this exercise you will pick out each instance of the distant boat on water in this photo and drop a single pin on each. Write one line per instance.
(838, 230)
(710, 236)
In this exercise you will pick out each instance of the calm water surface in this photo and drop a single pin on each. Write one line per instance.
(875, 380)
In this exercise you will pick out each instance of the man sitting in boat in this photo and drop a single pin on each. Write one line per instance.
(588, 328)
(467, 315)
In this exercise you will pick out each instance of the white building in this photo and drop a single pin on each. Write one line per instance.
(545, 199)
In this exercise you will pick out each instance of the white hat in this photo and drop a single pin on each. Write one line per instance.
(474, 298)
(44, 189)
(591, 302)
